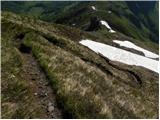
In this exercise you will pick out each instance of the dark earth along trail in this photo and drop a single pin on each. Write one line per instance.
(40, 87)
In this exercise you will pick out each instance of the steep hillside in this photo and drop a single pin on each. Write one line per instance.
(134, 19)
(38, 9)
(85, 84)
(137, 19)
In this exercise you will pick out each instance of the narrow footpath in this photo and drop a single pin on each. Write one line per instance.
(41, 88)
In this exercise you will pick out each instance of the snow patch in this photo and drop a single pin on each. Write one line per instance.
(93, 7)
(129, 44)
(120, 55)
(112, 31)
(107, 26)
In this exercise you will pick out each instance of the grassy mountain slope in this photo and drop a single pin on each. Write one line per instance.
(17, 98)
(87, 85)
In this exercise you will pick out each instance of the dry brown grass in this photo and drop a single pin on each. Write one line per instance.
(87, 85)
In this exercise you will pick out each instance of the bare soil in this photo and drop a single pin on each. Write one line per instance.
(39, 85)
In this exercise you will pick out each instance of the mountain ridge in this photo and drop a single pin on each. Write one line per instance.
(128, 17)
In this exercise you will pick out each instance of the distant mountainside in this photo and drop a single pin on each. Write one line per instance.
(137, 19)
(38, 9)
(148, 14)
(126, 17)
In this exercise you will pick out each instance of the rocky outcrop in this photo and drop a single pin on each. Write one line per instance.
(94, 24)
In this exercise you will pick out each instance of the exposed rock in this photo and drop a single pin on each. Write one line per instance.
(49, 104)
(35, 94)
(94, 24)
(50, 108)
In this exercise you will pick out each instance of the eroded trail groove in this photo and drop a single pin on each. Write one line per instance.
(41, 88)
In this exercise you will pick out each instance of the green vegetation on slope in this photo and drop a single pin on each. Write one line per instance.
(86, 84)
(132, 18)
(139, 24)
(45, 10)
(17, 98)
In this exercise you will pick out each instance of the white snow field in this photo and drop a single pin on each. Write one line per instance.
(93, 7)
(129, 44)
(120, 55)
(107, 26)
